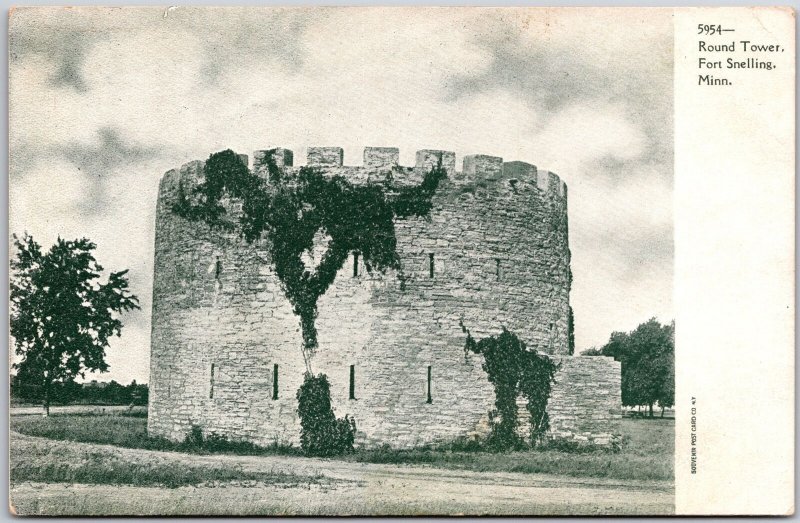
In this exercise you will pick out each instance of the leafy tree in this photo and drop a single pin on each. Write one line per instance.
(138, 393)
(667, 397)
(592, 351)
(648, 364)
(61, 315)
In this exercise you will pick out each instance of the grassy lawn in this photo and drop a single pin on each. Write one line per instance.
(120, 430)
(60, 462)
(647, 453)
(123, 430)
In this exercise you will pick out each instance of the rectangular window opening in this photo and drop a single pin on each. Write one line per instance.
(352, 382)
(430, 264)
(211, 391)
(497, 268)
(275, 381)
(355, 265)
(430, 397)
(218, 268)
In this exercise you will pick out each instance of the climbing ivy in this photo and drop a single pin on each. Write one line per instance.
(514, 370)
(293, 210)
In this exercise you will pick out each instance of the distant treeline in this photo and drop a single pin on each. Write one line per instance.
(647, 354)
(91, 393)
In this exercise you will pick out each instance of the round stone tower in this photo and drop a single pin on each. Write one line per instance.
(492, 253)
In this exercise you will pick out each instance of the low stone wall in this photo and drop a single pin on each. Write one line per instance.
(586, 400)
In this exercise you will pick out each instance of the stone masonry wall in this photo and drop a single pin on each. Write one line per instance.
(586, 400)
(493, 252)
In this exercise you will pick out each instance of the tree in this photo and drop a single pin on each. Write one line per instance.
(647, 355)
(667, 397)
(61, 315)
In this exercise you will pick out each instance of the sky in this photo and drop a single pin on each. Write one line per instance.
(103, 101)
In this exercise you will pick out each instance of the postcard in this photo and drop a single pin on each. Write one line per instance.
(401, 261)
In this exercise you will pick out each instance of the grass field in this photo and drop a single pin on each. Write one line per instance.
(59, 462)
(34, 462)
(127, 431)
(647, 453)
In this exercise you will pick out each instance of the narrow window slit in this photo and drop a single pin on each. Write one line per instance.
(430, 397)
(211, 391)
(218, 268)
(352, 382)
(430, 264)
(355, 265)
(497, 268)
(275, 381)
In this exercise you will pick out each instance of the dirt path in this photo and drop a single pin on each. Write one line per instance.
(356, 488)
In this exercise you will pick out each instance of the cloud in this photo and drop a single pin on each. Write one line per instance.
(557, 62)
(95, 165)
(64, 50)
(234, 41)
(108, 154)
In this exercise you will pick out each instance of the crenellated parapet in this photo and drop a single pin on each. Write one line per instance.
(382, 165)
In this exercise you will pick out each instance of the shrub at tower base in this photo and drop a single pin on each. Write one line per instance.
(514, 370)
(321, 434)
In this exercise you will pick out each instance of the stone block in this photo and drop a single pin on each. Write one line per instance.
(430, 158)
(325, 156)
(281, 157)
(519, 170)
(482, 166)
(381, 157)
